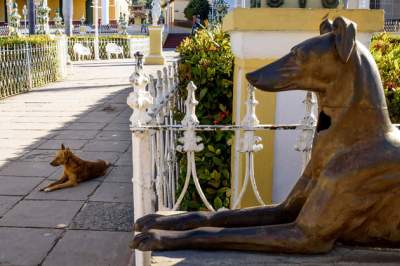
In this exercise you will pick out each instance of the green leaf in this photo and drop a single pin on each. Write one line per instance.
(217, 203)
(203, 92)
(211, 148)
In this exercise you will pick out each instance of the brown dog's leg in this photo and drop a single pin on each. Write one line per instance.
(59, 181)
(69, 183)
(285, 212)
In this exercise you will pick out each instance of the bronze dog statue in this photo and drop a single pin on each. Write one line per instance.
(350, 190)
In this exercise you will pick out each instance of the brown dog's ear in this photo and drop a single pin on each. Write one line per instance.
(325, 26)
(62, 146)
(345, 37)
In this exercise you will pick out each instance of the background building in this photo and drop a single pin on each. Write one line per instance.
(109, 10)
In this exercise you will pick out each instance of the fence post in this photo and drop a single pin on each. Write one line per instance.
(140, 101)
(308, 124)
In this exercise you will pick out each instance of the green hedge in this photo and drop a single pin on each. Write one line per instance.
(207, 60)
(386, 50)
(34, 40)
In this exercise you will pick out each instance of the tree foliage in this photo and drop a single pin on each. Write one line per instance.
(197, 7)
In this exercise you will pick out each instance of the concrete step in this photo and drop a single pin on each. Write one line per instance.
(339, 256)
(174, 39)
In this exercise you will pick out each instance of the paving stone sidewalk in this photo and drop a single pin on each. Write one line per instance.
(86, 225)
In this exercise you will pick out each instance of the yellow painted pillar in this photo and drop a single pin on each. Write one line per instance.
(155, 56)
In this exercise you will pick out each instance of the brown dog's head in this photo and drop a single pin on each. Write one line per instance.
(62, 156)
(313, 64)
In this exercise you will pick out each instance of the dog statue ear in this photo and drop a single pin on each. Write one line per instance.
(345, 37)
(325, 27)
(62, 146)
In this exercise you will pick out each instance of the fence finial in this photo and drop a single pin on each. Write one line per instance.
(190, 141)
(140, 99)
(249, 142)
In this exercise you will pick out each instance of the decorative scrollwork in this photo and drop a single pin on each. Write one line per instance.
(330, 3)
(274, 3)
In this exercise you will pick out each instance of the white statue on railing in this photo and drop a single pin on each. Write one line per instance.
(156, 11)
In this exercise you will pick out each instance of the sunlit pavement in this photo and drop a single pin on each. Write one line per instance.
(91, 223)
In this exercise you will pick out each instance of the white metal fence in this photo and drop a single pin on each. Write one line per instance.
(392, 26)
(157, 137)
(25, 66)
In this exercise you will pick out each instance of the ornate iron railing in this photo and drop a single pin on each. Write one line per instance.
(157, 137)
(25, 66)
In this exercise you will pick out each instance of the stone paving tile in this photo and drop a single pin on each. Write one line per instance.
(6, 202)
(76, 134)
(39, 156)
(120, 174)
(117, 127)
(51, 144)
(80, 192)
(114, 135)
(25, 246)
(113, 192)
(125, 159)
(85, 126)
(91, 248)
(41, 213)
(100, 145)
(31, 169)
(109, 107)
(105, 216)
(18, 186)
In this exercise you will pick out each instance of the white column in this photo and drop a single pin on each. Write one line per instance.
(96, 28)
(67, 10)
(105, 12)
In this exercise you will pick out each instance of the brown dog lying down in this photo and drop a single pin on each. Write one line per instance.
(76, 170)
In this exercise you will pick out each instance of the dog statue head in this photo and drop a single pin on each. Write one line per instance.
(62, 156)
(313, 64)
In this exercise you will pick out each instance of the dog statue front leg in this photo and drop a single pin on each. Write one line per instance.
(285, 212)
(288, 238)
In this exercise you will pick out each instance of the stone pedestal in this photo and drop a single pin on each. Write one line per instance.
(155, 56)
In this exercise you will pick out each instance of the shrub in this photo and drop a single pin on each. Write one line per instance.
(33, 40)
(207, 60)
(386, 52)
(197, 7)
